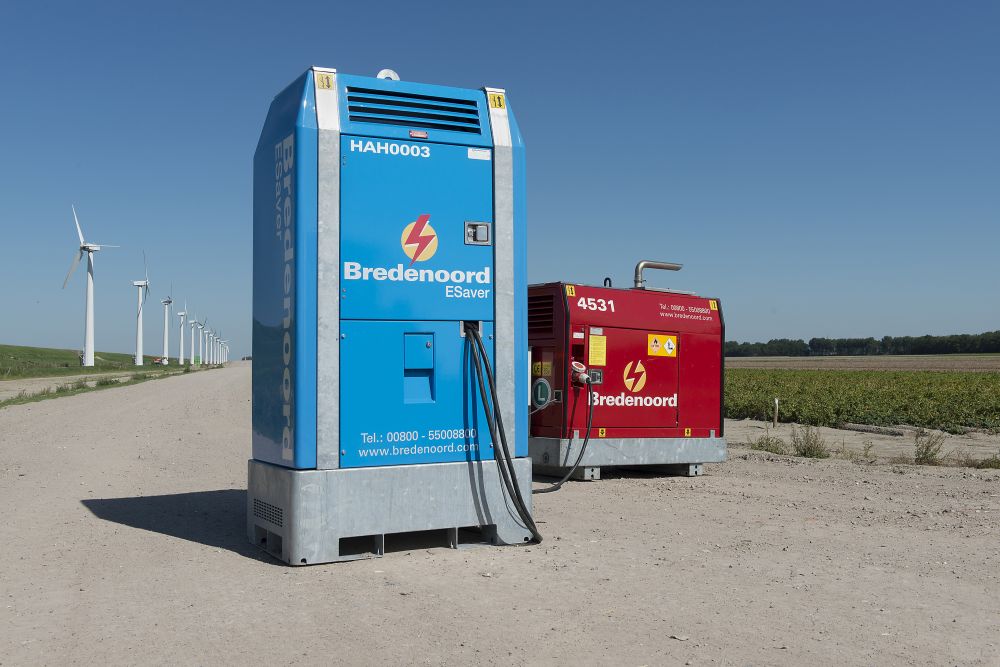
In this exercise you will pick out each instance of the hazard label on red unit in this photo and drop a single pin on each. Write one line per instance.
(661, 345)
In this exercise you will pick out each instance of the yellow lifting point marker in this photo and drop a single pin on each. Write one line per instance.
(713, 304)
(324, 81)
(687, 433)
(497, 101)
(601, 432)
(570, 290)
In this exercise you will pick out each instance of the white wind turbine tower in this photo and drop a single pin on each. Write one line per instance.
(180, 338)
(166, 327)
(143, 287)
(201, 341)
(193, 323)
(87, 358)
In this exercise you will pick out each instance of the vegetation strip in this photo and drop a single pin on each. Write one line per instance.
(83, 386)
(953, 402)
(19, 361)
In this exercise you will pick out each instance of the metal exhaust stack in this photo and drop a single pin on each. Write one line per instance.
(651, 264)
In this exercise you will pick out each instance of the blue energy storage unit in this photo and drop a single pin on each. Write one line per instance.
(389, 217)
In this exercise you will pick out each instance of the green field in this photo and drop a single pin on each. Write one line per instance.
(950, 401)
(17, 361)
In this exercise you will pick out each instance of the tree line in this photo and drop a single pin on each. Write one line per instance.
(787, 347)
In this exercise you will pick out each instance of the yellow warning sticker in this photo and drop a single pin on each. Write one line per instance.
(661, 345)
(713, 304)
(541, 369)
(496, 100)
(687, 433)
(570, 290)
(598, 354)
(324, 81)
(601, 432)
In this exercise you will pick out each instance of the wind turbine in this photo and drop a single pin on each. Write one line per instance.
(201, 341)
(166, 327)
(87, 358)
(143, 287)
(180, 350)
(193, 323)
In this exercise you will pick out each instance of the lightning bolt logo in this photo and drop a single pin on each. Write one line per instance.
(419, 240)
(635, 378)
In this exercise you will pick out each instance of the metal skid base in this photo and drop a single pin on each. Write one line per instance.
(677, 456)
(305, 517)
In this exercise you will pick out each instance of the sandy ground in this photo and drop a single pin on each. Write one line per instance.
(979, 363)
(125, 544)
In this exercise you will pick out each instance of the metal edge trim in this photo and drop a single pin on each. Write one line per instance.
(328, 274)
(505, 331)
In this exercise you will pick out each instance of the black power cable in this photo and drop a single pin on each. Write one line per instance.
(494, 420)
(586, 441)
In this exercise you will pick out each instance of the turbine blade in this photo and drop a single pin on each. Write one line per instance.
(79, 231)
(145, 267)
(72, 267)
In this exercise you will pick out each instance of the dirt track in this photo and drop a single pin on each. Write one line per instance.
(126, 546)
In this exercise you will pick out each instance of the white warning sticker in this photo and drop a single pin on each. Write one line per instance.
(479, 153)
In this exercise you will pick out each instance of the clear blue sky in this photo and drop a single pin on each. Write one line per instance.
(827, 169)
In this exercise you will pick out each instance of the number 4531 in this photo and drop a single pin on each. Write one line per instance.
(590, 303)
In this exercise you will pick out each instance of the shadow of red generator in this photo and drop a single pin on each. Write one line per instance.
(654, 362)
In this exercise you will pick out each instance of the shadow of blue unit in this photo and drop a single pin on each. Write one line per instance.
(388, 216)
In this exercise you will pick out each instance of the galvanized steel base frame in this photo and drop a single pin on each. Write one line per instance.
(320, 516)
(554, 456)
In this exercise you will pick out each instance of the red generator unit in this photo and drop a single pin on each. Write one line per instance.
(644, 366)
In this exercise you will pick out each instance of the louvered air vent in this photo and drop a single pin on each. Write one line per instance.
(367, 105)
(541, 314)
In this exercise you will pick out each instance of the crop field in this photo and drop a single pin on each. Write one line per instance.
(18, 361)
(975, 363)
(949, 401)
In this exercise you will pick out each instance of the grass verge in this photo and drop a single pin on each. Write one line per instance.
(84, 386)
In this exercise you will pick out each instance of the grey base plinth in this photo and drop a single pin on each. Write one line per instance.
(554, 456)
(319, 516)
(582, 473)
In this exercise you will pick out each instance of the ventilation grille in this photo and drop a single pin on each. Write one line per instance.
(541, 315)
(268, 512)
(367, 105)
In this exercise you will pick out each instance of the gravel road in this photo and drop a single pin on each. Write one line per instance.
(125, 544)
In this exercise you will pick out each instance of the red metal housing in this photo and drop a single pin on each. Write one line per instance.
(656, 358)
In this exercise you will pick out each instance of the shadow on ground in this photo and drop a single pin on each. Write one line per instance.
(213, 518)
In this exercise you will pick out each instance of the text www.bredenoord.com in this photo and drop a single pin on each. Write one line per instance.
(416, 450)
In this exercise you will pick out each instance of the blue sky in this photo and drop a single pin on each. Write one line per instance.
(826, 169)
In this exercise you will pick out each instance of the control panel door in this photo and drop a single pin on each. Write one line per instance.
(638, 372)
(409, 394)
(416, 231)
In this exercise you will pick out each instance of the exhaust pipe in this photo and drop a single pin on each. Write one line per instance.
(650, 264)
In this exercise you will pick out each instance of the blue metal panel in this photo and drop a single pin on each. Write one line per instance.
(284, 293)
(520, 288)
(422, 99)
(381, 423)
(403, 212)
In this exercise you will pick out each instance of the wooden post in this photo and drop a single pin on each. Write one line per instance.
(776, 412)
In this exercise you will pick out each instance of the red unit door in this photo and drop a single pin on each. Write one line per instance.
(640, 376)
